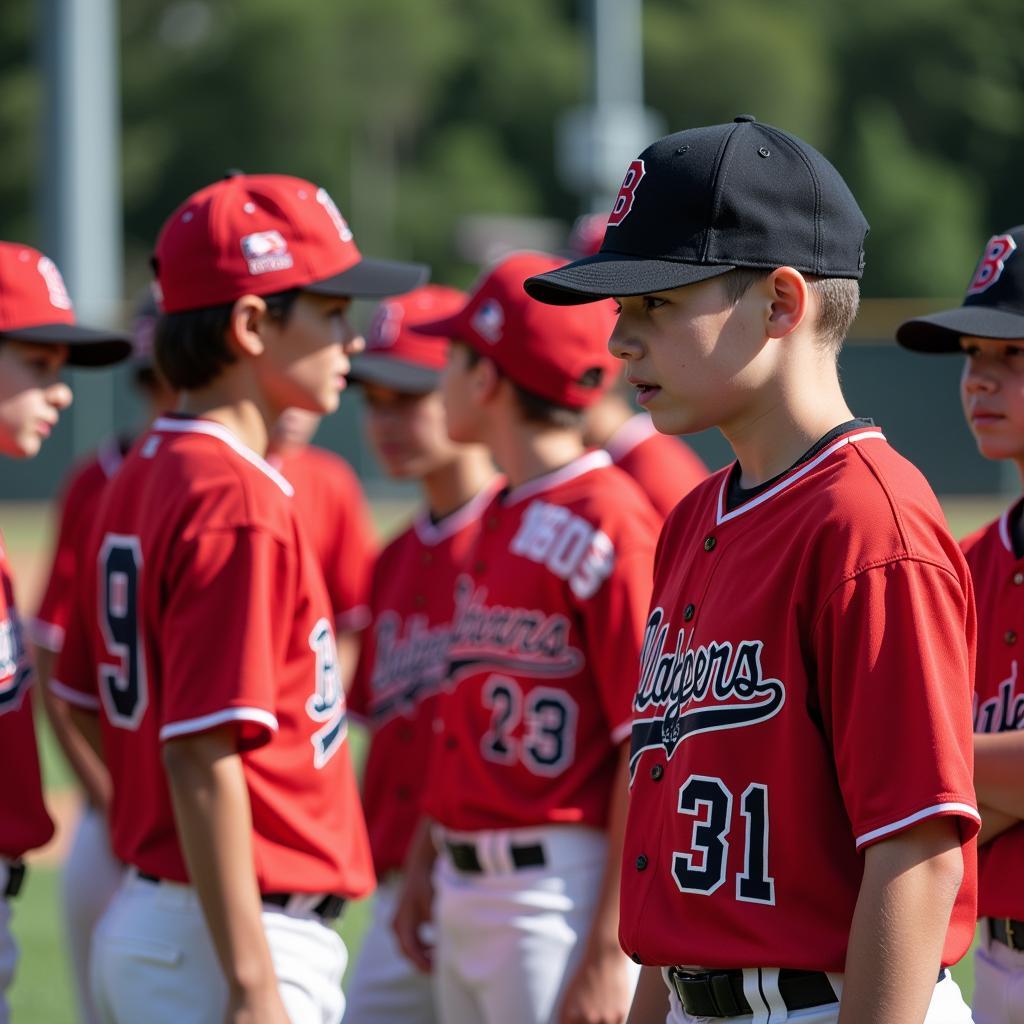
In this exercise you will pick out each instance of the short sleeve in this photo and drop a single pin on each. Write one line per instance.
(222, 633)
(614, 624)
(895, 657)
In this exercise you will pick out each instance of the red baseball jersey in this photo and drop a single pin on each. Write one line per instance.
(202, 606)
(805, 691)
(544, 643)
(331, 506)
(402, 665)
(665, 467)
(24, 823)
(999, 695)
(78, 504)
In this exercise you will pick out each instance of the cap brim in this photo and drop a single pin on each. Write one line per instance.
(396, 374)
(611, 274)
(86, 346)
(941, 332)
(373, 279)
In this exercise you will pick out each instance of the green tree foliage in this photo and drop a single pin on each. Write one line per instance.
(417, 113)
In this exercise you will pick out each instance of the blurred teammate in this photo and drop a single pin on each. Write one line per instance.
(222, 716)
(91, 873)
(330, 504)
(404, 657)
(527, 791)
(988, 330)
(38, 336)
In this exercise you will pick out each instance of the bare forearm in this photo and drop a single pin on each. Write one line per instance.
(994, 823)
(998, 771)
(213, 816)
(650, 1004)
(900, 923)
(348, 657)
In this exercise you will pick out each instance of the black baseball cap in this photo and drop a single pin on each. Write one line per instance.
(705, 201)
(992, 308)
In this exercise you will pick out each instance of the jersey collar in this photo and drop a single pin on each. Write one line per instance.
(175, 425)
(630, 435)
(722, 516)
(431, 533)
(598, 459)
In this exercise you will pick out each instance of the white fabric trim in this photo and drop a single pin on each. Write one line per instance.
(46, 634)
(623, 731)
(431, 534)
(632, 433)
(913, 819)
(109, 456)
(802, 471)
(1004, 528)
(204, 722)
(597, 459)
(76, 697)
(166, 425)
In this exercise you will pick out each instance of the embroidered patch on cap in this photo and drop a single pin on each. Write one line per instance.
(489, 321)
(265, 252)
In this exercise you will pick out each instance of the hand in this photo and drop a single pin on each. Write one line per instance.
(600, 991)
(415, 909)
(253, 1005)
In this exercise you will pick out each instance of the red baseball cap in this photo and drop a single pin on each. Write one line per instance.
(587, 235)
(35, 306)
(398, 357)
(550, 351)
(256, 234)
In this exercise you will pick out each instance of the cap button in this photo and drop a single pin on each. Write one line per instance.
(232, 172)
(744, 118)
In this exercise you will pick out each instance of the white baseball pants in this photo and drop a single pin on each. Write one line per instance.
(89, 879)
(998, 983)
(509, 940)
(153, 960)
(947, 1005)
(384, 987)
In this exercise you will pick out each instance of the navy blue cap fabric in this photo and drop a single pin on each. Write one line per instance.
(992, 308)
(704, 201)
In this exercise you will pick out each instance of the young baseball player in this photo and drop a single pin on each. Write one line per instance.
(222, 716)
(38, 336)
(802, 814)
(527, 788)
(404, 658)
(329, 501)
(989, 330)
(90, 873)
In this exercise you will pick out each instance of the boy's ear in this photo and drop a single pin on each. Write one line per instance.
(248, 315)
(790, 301)
(485, 381)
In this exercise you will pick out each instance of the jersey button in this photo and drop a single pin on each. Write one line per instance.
(419, 600)
(1010, 636)
(688, 612)
(403, 792)
(1018, 578)
(451, 743)
(641, 862)
(635, 957)
(479, 567)
(709, 543)
(657, 771)
(427, 558)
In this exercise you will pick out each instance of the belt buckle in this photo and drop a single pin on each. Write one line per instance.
(1011, 937)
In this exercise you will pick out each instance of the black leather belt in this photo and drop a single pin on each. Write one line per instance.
(329, 908)
(465, 858)
(15, 878)
(1007, 931)
(720, 993)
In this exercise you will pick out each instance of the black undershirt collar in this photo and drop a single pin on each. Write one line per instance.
(736, 495)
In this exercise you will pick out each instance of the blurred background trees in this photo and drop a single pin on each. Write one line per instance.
(417, 113)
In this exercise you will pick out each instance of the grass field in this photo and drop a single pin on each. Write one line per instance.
(42, 990)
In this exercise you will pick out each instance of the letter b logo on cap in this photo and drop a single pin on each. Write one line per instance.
(627, 193)
(990, 269)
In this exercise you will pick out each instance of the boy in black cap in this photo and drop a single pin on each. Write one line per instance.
(988, 329)
(809, 611)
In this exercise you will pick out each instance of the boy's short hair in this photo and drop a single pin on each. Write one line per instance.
(838, 300)
(534, 408)
(191, 348)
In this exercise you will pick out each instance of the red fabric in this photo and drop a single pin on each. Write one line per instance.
(32, 292)
(24, 823)
(999, 695)
(665, 467)
(78, 506)
(233, 622)
(332, 508)
(390, 332)
(251, 233)
(548, 618)
(401, 668)
(545, 349)
(810, 655)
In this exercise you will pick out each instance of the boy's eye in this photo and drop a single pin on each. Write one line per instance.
(652, 302)
(1014, 350)
(970, 350)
